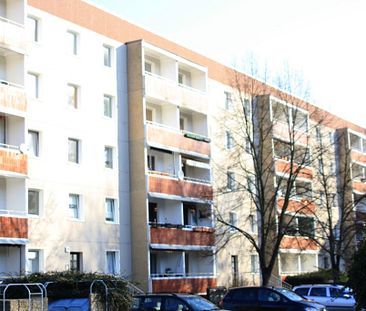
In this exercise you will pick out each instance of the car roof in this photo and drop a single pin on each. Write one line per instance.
(315, 285)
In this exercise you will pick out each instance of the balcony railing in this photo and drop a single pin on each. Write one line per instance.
(13, 227)
(12, 160)
(173, 138)
(162, 88)
(12, 96)
(13, 213)
(198, 284)
(12, 35)
(172, 274)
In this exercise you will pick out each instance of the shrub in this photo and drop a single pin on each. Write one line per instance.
(316, 277)
(67, 284)
(357, 276)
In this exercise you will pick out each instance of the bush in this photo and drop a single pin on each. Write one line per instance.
(357, 276)
(316, 277)
(67, 284)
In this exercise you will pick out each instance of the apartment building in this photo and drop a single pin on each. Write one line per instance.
(111, 140)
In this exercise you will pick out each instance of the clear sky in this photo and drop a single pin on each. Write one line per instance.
(324, 40)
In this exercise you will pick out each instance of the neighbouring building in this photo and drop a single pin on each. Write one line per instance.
(109, 152)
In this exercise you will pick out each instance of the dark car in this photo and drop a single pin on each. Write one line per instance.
(171, 302)
(263, 298)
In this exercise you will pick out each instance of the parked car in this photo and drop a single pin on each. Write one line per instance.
(171, 302)
(334, 297)
(263, 298)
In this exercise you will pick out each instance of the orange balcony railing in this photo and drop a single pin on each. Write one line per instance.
(12, 97)
(13, 161)
(183, 285)
(171, 186)
(13, 227)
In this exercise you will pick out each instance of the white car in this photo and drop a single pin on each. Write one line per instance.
(331, 296)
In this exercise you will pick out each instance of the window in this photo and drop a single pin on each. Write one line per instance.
(32, 28)
(332, 168)
(358, 171)
(153, 212)
(74, 206)
(107, 51)
(33, 143)
(33, 264)
(72, 42)
(235, 269)
(318, 292)
(318, 134)
(184, 77)
(321, 166)
(108, 107)
(33, 202)
(110, 210)
(247, 107)
(151, 162)
(228, 101)
(229, 140)
(148, 67)
(233, 220)
(299, 225)
(248, 147)
(254, 263)
(112, 262)
(74, 146)
(253, 223)
(73, 95)
(251, 185)
(75, 262)
(32, 84)
(149, 114)
(108, 157)
(231, 185)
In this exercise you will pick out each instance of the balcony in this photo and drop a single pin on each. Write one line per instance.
(12, 36)
(298, 243)
(292, 264)
(12, 160)
(160, 183)
(283, 166)
(162, 88)
(198, 285)
(180, 271)
(12, 97)
(174, 139)
(358, 156)
(359, 186)
(178, 235)
(13, 227)
(304, 207)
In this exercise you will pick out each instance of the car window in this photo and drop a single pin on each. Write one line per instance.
(303, 291)
(335, 292)
(151, 304)
(318, 292)
(245, 294)
(266, 295)
(198, 303)
(175, 304)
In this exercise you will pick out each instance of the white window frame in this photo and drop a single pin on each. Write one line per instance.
(33, 27)
(33, 84)
(108, 157)
(233, 220)
(231, 182)
(77, 150)
(228, 100)
(74, 100)
(108, 106)
(39, 257)
(115, 219)
(78, 209)
(117, 262)
(254, 263)
(107, 55)
(229, 140)
(73, 39)
(33, 145)
(40, 202)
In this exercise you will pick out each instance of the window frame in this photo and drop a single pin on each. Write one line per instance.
(78, 209)
(30, 143)
(108, 157)
(108, 106)
(75, 36)
(78, 260)
(114, 210)
(75, 98)
(39, 257)
(34, 35)
(39, 202)
(107, 55)
(76, 151)
(116, 268)
(231, 182)
(35, 84)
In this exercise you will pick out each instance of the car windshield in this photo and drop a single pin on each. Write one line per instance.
(289, 294)
(199, 303)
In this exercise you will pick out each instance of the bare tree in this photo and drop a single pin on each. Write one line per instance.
(268, 134)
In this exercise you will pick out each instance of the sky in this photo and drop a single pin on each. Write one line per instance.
(322, 41)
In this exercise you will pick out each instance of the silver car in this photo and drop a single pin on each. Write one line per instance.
(331, 296)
